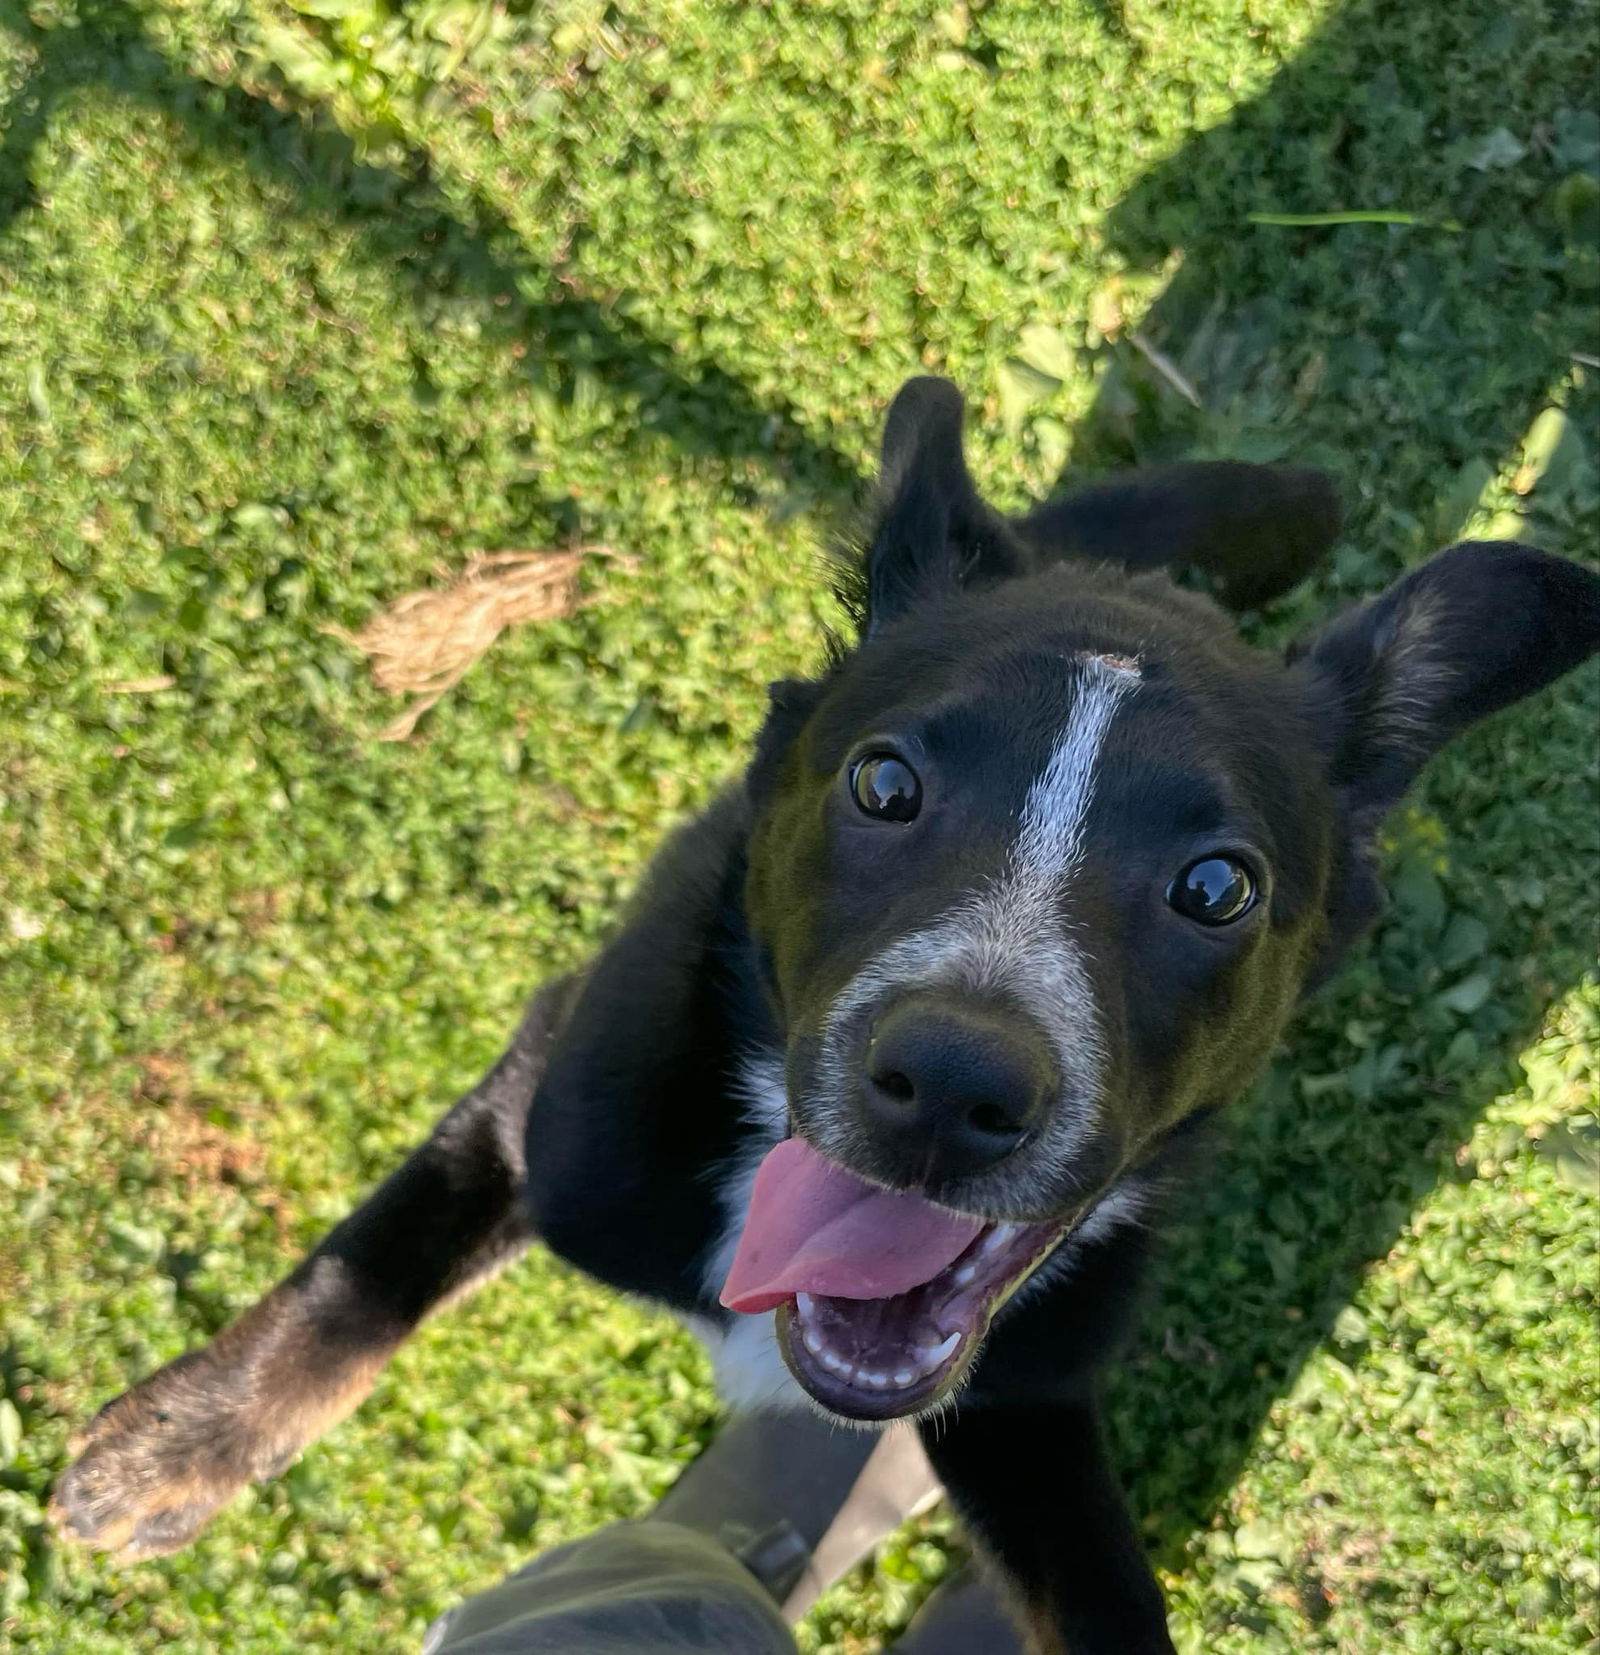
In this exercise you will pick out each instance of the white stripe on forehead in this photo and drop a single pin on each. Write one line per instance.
(1052, 820)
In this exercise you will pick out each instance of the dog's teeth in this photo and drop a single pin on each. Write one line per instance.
(835, 1364)
(965, 1274)
(812, 1341)
(995, 1240)
(803, 1302)
(903, 1377)
(933, 1355)
(878, 1381)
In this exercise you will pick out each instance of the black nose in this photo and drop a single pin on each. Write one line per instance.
(952, 1089)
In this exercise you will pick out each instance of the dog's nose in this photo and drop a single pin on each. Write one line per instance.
(951, 1090)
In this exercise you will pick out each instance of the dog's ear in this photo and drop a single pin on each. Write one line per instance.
(1256, 530)
(932, 535)
(1470, 631)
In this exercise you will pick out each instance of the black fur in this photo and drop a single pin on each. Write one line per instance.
(629, 1102)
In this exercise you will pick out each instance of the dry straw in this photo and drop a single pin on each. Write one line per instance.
(425, 643)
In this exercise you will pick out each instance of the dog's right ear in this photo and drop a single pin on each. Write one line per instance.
(1387, 684)
(1468, 632)
(932, 536)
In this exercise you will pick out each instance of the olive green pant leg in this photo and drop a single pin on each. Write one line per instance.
(649, 1588)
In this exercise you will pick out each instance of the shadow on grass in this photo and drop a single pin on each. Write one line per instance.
(1435, 350)
(417, 239)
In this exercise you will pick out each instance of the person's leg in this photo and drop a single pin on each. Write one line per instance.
(771, 1514)
(800, 1501)
(649, 1588)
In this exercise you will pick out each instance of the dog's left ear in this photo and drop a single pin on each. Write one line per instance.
(932, 535)
(1466, 633)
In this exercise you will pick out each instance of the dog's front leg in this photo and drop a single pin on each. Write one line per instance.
(158, 1462)
(1036, 1492)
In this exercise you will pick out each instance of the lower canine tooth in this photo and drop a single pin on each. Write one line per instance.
(802, 1303)
(936, 1354)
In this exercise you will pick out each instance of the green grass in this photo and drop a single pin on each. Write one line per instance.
(294, 308)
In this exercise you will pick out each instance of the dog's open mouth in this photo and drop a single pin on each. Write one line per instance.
(882, 1297)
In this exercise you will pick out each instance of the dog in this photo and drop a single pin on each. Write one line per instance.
(909, 1039)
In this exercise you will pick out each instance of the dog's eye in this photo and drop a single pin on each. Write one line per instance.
(886, 787)
(1213, 891)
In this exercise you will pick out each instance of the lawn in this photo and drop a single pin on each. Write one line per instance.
(301, 308)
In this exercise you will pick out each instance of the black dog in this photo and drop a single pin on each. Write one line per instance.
(908, 1029)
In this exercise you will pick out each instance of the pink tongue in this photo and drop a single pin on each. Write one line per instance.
(815, 1228)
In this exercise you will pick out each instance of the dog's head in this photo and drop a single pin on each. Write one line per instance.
(1039, 870)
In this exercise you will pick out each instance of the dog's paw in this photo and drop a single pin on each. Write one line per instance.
(155, 1465)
